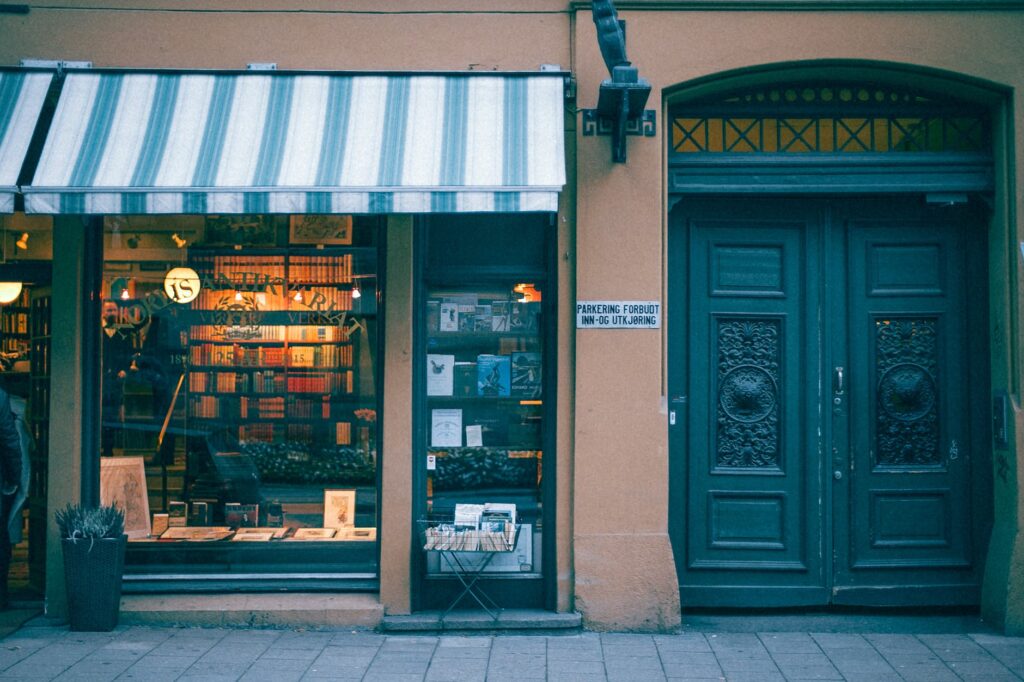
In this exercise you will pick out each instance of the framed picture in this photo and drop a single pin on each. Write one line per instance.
(248, 230)
(314, 533)
(320, 229)
(123, 484)
(339, 508)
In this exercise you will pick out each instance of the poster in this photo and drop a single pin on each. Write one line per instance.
(446, 428)
(440, 374)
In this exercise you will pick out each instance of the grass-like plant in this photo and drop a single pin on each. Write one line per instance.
(77, 522)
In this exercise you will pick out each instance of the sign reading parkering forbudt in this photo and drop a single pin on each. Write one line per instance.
(618, 314)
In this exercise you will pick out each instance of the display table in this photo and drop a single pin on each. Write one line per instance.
(468, 553)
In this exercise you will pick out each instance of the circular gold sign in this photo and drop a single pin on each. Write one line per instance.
(182, 285)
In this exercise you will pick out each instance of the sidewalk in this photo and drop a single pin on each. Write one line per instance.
(954, 650)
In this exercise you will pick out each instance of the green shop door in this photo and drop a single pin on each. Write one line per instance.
(828, 387)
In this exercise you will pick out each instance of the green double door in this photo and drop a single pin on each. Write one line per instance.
(828, 399)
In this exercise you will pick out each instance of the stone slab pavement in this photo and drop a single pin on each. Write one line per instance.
(743, 650)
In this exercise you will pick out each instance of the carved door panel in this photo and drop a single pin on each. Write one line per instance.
(753, 498)
(903, 504)
(826, 447)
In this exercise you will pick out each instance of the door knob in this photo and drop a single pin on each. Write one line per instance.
(837, 474)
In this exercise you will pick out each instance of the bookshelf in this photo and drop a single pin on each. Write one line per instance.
(274, 341)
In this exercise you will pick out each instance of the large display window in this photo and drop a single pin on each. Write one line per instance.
(239, 393)
(485, 410)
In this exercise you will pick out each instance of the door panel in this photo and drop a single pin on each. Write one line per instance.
(754, 507)
(820, 363)
(906, 515)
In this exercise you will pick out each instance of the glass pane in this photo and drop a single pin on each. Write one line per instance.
(485, 405)
(240, 393)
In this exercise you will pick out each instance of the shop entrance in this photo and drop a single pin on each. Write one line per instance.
(829, 381)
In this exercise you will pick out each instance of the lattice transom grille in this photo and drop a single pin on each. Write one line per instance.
(828, 119)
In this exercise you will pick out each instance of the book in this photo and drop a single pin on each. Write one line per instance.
(526, 375)
(465, 379)
(433, 315)
(467, 317)
(440, 374)
(199, 514)
(449, 317)
(241, 515)
(482, 318)
(177, 514)
(522, 317)
(493, 375)
(499, 316)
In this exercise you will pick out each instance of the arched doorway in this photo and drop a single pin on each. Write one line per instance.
(828, 356)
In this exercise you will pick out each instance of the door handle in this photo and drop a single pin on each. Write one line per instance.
(838, 381)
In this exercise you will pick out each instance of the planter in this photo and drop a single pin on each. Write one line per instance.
(92, 575)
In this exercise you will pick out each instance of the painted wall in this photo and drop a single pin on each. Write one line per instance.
(620, 251)
(320, 34)
(612, 436)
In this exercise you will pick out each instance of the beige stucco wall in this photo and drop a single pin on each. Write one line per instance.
(614, 558)
(368, 35)
(620, 417)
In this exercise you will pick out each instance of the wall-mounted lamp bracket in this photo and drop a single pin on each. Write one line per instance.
(620, 111)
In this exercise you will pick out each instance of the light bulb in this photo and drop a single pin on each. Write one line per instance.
(298, 296)
(355, 292)
(238, 295)
(125, 295)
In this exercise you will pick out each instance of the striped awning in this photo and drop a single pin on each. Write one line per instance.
(22, 94)
(148, 143)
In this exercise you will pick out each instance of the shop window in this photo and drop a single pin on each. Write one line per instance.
(26, 253)
(486, 406)
(239, 384)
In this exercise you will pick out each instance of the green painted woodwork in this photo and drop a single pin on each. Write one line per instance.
(827, 438)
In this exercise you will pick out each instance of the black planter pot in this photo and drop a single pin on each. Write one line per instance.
(92, 575)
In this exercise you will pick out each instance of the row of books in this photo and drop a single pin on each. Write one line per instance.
(517, 374)
(273, 332)
(13, 322)
(264, 432)
(324, 356)
(267, 381)
(332, 268)
(451, 315)
(244, 407)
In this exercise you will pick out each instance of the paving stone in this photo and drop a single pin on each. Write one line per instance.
(153, 662)
(676, 658)
(163, 675)
(926, 673)
(561, 666)
(789, 643)
(683, 642)
(899, 644)
(810, 672)
(258, 675)
(691, 671)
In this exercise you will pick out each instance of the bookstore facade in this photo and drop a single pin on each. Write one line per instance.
(303, 323)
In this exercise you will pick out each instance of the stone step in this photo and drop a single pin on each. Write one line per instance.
(292, 609)
(530, 620)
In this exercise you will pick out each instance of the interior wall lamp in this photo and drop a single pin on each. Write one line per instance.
(9, 292)
(22, 243)
(620, 100)
(178, 240)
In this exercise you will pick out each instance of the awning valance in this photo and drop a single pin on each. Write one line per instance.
(302, 143)
(22, 94)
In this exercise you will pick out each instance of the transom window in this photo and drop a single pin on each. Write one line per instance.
(832, 119)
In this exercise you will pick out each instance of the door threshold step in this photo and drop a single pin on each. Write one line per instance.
(531, 620)
(289, 609)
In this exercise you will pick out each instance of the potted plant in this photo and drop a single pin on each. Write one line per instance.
(93, 541)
